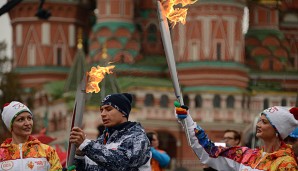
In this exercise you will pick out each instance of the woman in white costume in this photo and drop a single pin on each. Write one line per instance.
(273, 126)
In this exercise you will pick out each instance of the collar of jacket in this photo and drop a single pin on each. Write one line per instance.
(31, 140)
(124, 126)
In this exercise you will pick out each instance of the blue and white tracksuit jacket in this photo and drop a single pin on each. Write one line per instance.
(127, 148)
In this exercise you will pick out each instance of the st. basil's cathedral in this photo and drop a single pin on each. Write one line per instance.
(227, 76)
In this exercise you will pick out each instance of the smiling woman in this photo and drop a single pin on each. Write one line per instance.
(22, 127)
(273, 126)
(23, 151)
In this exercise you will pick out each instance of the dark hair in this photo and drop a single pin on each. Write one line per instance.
(150, 135)
(290, 140)
(237, 135)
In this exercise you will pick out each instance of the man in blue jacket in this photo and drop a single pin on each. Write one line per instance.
(123, 146)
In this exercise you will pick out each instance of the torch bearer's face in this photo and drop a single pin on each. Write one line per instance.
(111, 117)
(22, 125)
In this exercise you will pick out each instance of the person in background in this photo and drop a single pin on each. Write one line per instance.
(292, 139)
(273, 126)
(232, 138)
(123, 146)
(23, 152)
(160, 159)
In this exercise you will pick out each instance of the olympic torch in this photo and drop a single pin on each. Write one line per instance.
(167, 43)
(89, 84)
(77, 117)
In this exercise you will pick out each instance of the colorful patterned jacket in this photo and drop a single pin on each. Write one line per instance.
(125, 148)
(29, 156)
(238, 158)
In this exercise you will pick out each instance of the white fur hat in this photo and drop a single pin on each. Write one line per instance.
(284, 119)
(12, 110)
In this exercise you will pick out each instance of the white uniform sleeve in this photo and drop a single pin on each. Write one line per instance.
(219, 162)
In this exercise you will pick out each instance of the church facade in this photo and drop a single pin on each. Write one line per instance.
(227, 77)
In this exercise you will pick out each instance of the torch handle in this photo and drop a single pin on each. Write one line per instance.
(167, 43)
(77, 117)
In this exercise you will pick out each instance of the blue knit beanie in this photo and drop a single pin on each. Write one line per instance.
(121, 102)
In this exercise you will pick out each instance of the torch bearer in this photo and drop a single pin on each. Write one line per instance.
(167, 43)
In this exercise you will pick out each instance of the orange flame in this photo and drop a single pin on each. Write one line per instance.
(95, 76)
(176, 14)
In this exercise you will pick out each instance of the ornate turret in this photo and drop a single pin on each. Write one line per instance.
(44, 49)
(209, 47)
(114, 32)
(147, 24)
(289, 26)
(268, 49)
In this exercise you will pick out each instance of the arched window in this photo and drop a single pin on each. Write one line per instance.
(284, 102)
(149, 99)
(216, 101)
(152, 30)
(243, 102)
(164, 101)
(218, 51)
(248, 102)
(186, 100)
(266, 103)
(139, 28)
(271, 64)
(59, 58)
(198, 101)
(230, 101)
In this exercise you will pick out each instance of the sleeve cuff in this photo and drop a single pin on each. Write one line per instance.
(83, 145)
(79, 157)
(190, 123)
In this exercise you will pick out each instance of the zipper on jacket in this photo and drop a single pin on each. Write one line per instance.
(264, 156)
(21, 155)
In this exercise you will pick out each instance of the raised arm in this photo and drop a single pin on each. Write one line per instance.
(220, 158)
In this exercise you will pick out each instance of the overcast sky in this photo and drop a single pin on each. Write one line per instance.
(5, 30)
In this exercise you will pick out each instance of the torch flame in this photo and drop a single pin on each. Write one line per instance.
(176, 14)
(95, 76)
